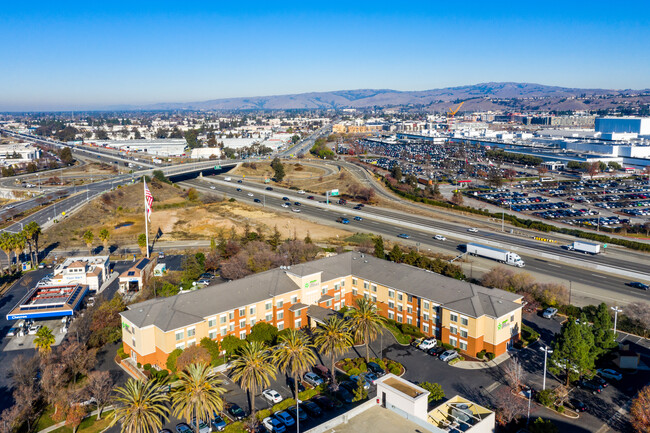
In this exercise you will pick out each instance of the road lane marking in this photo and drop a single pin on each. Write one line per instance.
(599, 276)
(492, 387)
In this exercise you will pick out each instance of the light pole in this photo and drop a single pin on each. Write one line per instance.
(616, 311)
(546, 351)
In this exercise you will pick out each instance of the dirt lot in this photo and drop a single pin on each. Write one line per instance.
(177, 218)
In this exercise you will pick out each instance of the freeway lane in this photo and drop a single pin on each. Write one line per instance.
(272, 199)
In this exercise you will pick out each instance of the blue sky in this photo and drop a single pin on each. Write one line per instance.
(80, 54)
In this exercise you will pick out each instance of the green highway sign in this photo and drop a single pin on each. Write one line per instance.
(334, 192)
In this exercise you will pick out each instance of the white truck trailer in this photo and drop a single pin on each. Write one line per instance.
(497, 254)
(584, 247)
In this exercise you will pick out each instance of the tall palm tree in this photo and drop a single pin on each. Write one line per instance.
(7, 247)
(366, 322)
(32, 232)
(294, 356)
(333, 339)
(197, 394)
(105, 236)
(252, 368)
(88, 238)
(44, 340)
(141, 407)
(19, 243)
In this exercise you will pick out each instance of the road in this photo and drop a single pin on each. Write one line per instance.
(596, 285)
(303, 146)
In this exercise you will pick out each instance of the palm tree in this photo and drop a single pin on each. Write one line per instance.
(294, 356)
(7, 246)
(333, 339)
(31, 233)
(366, 322)
(197, 394)
(105, 236)
(253, 368)
(141, 407)
(19, 243)
(44, 340)
(88, 238)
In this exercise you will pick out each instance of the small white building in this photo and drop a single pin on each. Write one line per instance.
(91, 271)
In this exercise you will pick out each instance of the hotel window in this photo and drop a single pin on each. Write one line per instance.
(453, 341)
(337, 287)
(391, 293)
(453, 330)
(374, 298)
(453, 317)
(280, 315)
(280, 326)
(328, 303)
(463, 321)
(298, 323)
(409, 309)
(425, 316)
(294, 299)
(463, 345)
(365, 295)
(252, 321)
(354, 281)
(191, 332)
(354, 292)
(391, 315)
(399, 307)
(512, 318)
(231, 315)
(224, 331)
(180, 335)
(191, 343)
(268, 305)
(212, 322)
(409, 320)
(279, 304)
(222, 319)
(365, 285)
(342, 303)
(268, 317)
(425, 305)
(373, 288)
(133, 341)
(251, 310)
(212, 335)
(180, 346)
(391, 304)
(242, 323)
(342, 283)
(425, 328)
(232, 327)
(463, 333)
(242, 312)
(400, 296)
(399, 318)
(242, 335)
(409, 298)
(337, 296)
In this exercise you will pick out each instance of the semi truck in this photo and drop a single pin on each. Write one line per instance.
(497, 254)
(584, 247)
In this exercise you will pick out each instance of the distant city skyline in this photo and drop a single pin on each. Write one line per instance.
(79, 55)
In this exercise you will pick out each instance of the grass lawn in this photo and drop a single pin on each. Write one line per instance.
(45, 420)
(88, 425)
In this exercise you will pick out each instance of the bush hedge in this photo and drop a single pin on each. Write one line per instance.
(121, 354)
(283, 405)
(490, 355)
(307, 394)
(481, 354)
(260, 415)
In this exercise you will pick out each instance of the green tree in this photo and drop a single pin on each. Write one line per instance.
(294, 356)
(213, 349)
(142, 243)
(191, 137)
(366, 322)
(333, 339)
(543, 426)
(66, 155)
(32, 232)
(159, 175)
(274, 239)
(7, 246)
(140, 407)
(171, 359)
(105, 237)
(604, 336)
(44, 340)
(278, 169)
(197, 394)
(253, 368)
(18, 242)
(231, 344)
(379, 247)
(295, 138)
(360, 392)
(263, 332)
(396, 255)
(573, 352)
(396, 172)
(88, 238)
(436, 393)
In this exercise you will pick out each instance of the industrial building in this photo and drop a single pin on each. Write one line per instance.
(468, 316)
(164, 147)
(45, 302)
(640, 126)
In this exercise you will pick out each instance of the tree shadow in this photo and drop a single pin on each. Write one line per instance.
(48, 249)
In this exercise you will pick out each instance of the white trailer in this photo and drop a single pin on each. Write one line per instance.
(584, 247)
(497, 254)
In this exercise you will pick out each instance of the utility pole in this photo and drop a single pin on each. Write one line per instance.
(616, 311)
(546, 351)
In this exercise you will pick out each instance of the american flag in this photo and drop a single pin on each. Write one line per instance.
(148, 201)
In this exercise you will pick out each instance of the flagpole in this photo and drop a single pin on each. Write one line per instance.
(146, 224)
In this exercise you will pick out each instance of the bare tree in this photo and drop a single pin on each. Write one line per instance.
(515, 375)
(23, 371)
(78, 358)
(509, 406)
(639, 312)
(100, 387)
(53, 381)
(10, 419)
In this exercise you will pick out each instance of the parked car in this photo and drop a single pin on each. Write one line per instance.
(440, 238)
(375, 368)
(355, 379)
(370, 377)
(236, 412)
(549, 313)
(639, 285)
(183, 428)
(590, 385)
(416, 341)
(323, 402)
(436, 351)
(599, 380)
(203, 426)
(292, 386)
(218, 423)
(272, 396)
(273, 425)
(164, 431)
(284, 418)
(344, 395)
(33, 329)
(297, 414)
(349, 386)
(403, 236)
(312, 409)
(577, 405)
(608, 373)
(313, 379)
(322, 371)
(427, 344)
(161, 255)
(448, 355)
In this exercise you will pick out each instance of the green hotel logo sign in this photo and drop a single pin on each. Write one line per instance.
(502, 324)
(311, 283)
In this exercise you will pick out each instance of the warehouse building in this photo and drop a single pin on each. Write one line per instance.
(469, 317)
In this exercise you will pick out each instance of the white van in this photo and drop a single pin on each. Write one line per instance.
(227, 178)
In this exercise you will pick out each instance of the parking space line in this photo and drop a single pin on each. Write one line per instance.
(492, 387)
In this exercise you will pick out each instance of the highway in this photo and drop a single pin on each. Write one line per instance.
(319, 212)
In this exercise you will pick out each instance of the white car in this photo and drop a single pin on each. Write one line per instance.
(448, 355)
(472, 230)
(272, 396)
(295, 209)
(608, 373)
(213, 187)
(440, 238)
(250, 194)
(301, 192)
(427, 344)
(285, 204)
(549, 313)
(33, 329)
(273, 425)
(203, 426)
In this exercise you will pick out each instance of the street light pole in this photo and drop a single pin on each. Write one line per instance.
(546, 351)
(616, 311)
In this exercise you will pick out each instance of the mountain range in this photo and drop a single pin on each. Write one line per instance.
(484, 96)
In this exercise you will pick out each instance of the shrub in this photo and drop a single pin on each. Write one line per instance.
(447, 346)
(559, 408)
(546, 397)
(455, 361)
(380, 362)
(121, 354)
(395, 370)
(529, 334)
(139, 365)
(490, 356)
(171, 359)
(436, 392)
(284, 404)
(481, 354)
(353, 371)
(147, 366)
(260, 415)
(307, 394)
(236, 427)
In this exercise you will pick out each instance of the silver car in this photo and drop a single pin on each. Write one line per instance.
(448, 355)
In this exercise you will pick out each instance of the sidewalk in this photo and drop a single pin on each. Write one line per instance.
(62, 423)
(479, 365)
